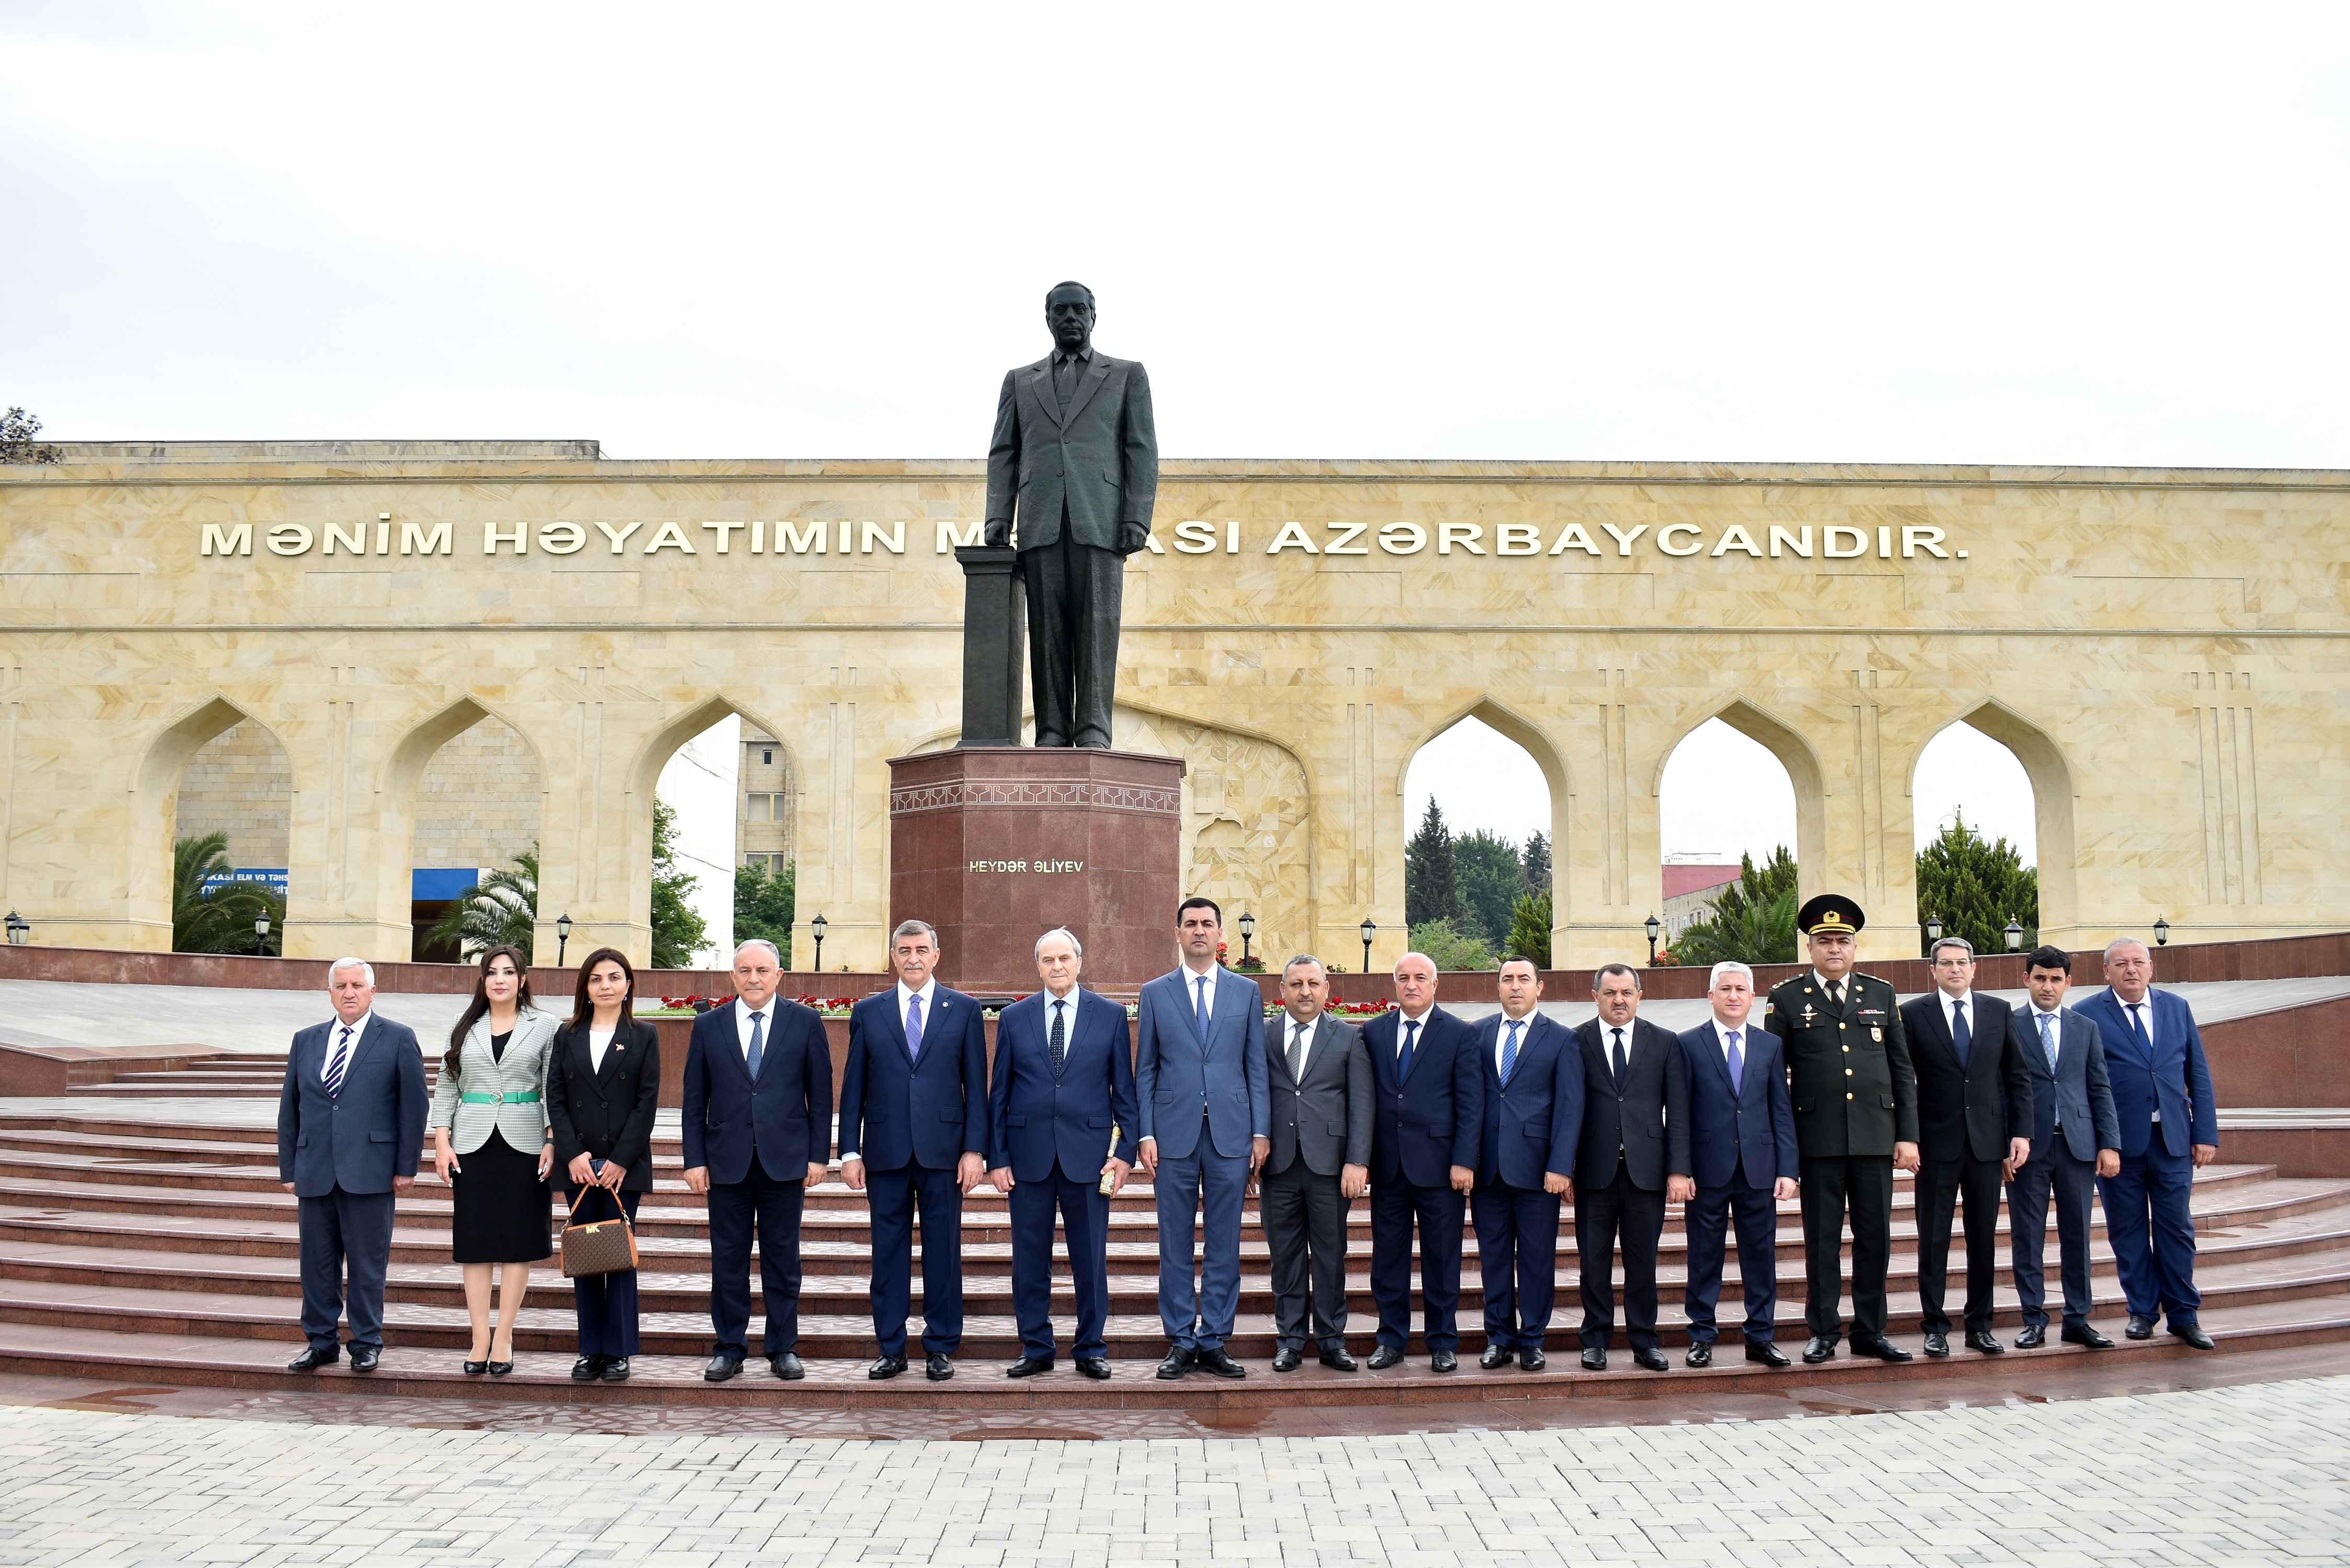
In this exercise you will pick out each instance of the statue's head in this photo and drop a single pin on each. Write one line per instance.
(1069, 313)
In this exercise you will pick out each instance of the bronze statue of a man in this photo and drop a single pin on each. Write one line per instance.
(1076, 450)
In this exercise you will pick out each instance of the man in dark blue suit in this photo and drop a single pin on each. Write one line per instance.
(2076, 1138)
(1061, 1112)
(1525, 1163)
(1743, 1156)
(1431, 1091)
(350, 1128)
(757, 1130)
(913, 1133)
(2169, 1125)
(1206, 1125)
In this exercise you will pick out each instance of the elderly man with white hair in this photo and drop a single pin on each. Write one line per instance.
(350, 1130)
(757, 1127)
(1742, 1157)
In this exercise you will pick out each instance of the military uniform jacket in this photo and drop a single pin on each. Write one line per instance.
(1848, 1069)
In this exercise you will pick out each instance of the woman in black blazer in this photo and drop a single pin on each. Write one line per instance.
(603, 1080)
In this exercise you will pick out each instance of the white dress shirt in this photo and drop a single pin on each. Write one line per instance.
(1298, 1040)
(2145, 1016)
(928, 994)
(1721, 1033)
(599, 1042)
(335, 1033)
(2034, 1013)
(1501, 1037)
(1964, 1002)
(743, 1027)
(1191, 978)
(1405, 1021)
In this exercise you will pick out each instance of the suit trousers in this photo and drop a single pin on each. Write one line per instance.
(2052, 1171)
(1708, 1220)
(1202, 1191)
(1864, 1182)
(894, 1196)
(1084, 1225)
(1074, 599)
(758, 1202)
(2151, 1229)
(344, 1230)
(1517, 1261)
(1939, 1187)
(1439, 1210)
(1600, 1213)
(1306, 1232)
(606, 1303)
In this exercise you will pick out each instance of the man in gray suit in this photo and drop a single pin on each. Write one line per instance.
(350, 1130)
(1320, 1077)
(1076, 456)
(2075, 1136)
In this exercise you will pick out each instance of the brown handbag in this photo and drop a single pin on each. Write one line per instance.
(599, 1247)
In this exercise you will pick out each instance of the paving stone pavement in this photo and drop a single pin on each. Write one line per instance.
(2254, 1474)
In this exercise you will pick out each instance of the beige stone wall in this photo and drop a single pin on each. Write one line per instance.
(239, 783)
(478, 801)
(2165, 651)
(765, 806)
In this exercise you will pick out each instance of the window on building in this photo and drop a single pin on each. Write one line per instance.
(759, 807)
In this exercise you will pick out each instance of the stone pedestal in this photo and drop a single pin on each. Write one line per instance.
(996, 845)
(994, 656)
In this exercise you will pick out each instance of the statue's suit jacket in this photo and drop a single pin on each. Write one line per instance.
(1099, 462)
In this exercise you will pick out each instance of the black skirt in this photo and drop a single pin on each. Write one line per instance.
(503, 1213)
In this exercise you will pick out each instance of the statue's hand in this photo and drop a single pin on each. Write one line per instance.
(998, 535)
(1133, 537)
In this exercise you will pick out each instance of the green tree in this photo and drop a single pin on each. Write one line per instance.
(1448, 947)
(1430, 887)
(218, 920)
(763, 906)
(677, 931)
(1975, 887)
(499, 910)
(1536, 860)
(1751, 933)
(17, 430)
(1490, 879)
(1530, 928)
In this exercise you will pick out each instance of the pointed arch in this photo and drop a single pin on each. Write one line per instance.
(1535, 740)
(644, 778)
(1795, 754)
(155, 799)
(396, 791)
(2056, 853)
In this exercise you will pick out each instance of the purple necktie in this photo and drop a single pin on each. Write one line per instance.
(1737, 1066)
(914, 1025)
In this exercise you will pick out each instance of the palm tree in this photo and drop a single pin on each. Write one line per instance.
(1748, 933)
(500, 911)
(218, 918)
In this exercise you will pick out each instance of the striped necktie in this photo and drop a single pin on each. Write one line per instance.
(340, 1064)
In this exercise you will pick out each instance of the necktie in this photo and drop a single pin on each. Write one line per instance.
(1403, 1057)
(1737, 1066)
(1621, 1065)
(1066, 370)
(335, 1068)
(914, 1026)
(757, 1053)
(1200, 1006)
(1835, 992)
(2138, 1027)
(1060, 1041)
(1961, 1035)
(1510, 1051)
(1296, 1051)
(2048, 1040)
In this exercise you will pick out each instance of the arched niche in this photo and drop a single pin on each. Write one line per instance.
(2055, 849)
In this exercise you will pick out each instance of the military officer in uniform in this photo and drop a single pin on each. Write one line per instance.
(1856, 1102)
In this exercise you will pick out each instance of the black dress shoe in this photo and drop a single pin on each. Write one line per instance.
(1881, 1350)
(2190, 1331)
(888, 1366)
(587, 1369)
(1029, 1366)
(2034, 1336)
(1442, 1361)
(786, 1367)
(497, 1368)
(2140, 1327)
(2089, 1336)
(1496, 1355)
(1985, 1343)
(1095, 1367)
(1594, 1358)
(1651, 1359)
(1762, 1353)
(721, 1366)
(475, 1369)
(1218, 1362)
(1938, 1344)
(1287, 1359)
(1818, 1348)
(1532, 1359)
(313, 1358)
(1700, 1354)
(615, 1369)
(1337, 1359)
(1385, 1356)
(938, 1368)
(1176, 1363)
(365, 1356)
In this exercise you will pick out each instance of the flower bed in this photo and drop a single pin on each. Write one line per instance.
(687, 1006)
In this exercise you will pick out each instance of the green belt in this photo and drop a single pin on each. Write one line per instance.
(527, 1096)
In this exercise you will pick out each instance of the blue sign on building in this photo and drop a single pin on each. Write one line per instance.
(433, 883)
(271, 876)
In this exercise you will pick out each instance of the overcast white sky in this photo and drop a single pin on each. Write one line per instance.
(2085, 233)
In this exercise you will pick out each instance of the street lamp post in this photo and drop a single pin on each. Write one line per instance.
(562, 937)
(2015, 934)
(2161, 931)
(816, 929)
(1248, 930)
(20, 930)
(260, 936)
(1933, 933)
(1370, 928)
(1655, 928)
